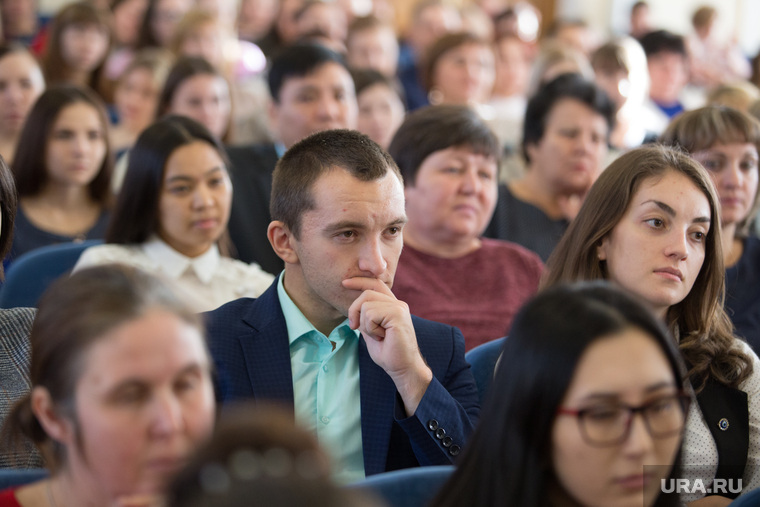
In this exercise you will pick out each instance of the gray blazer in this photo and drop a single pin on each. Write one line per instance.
(15, 355)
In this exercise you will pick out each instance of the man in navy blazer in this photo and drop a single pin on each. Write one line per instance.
(338, 214)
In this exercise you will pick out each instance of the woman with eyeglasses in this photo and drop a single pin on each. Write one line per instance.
(651, 224)
(587, 408)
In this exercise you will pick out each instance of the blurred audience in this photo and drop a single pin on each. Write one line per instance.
(196, 89)
(21, 21)
(136, 97)
(459, 69)
(737, 95)
(62, 168)
(326, 19)
(712, 62)
(431, 19)
(620, 69)
(640, 23)
(565, 136)
(284, 31)
(203, 34)
(371, 44)
(255, 18)
(555, 59)
(126, 17)
(77, 45)
(667, 62)
(381, 110)
(21, 82)
(575, 34)
(160, 22)
(509, 97)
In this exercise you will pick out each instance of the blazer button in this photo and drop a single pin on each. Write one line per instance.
(440, 433)
(454, 450)
(432, 425)
(447, 441)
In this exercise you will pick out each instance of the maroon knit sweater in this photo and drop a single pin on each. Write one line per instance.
(478, 293)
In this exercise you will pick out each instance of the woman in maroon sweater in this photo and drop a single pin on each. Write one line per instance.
(447, 272)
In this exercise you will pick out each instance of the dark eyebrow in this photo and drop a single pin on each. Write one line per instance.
(182, 177)
(338, 226)
(649, 390)
(670, 211)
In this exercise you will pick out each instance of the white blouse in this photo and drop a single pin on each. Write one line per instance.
(700, 454)
(204, 282)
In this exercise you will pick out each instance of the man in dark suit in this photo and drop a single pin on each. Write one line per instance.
(381, 389)
(311, 91)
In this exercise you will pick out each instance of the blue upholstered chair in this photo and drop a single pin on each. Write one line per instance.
(751, 499)
(483, 360)
(30, 274)
(411, 487)
(13, 477)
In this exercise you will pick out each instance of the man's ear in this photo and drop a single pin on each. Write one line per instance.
(55, 424)
(281, 239)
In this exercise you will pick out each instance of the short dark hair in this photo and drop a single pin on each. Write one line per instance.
(299, 60)
(436, 128)
(508, 460)
(565, 86)
(29, 166)
(663, 41)
(135, 216)
(313, 156)
(367, 78)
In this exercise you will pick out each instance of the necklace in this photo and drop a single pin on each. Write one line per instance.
(49, 491)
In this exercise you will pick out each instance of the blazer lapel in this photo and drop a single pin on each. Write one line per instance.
(266, 349)
(378, 398)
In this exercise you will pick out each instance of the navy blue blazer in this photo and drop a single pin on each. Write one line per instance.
(249, 343)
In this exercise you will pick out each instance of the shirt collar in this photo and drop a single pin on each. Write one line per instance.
(297, 323)
(174, 264)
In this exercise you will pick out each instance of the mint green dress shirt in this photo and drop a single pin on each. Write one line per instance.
(326, 387)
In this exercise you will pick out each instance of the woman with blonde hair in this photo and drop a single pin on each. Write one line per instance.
(651, 224)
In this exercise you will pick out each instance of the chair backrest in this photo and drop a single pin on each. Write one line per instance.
(31, 273)
(411, 487)
(14, 477)
(483, 360)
